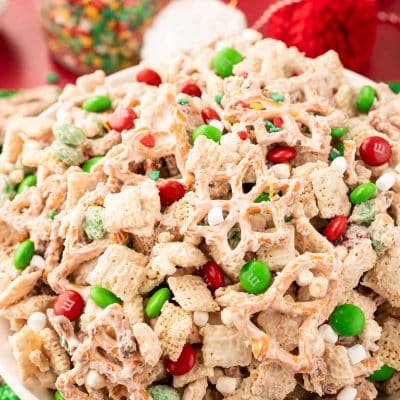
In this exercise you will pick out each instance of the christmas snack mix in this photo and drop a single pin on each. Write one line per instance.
(224, 226)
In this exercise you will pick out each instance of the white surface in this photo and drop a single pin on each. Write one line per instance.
(8, 368)
(385, 182)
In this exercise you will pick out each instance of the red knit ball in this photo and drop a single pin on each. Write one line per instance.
(316, 26)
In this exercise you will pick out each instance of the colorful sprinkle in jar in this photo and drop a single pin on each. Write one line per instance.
(85, 35)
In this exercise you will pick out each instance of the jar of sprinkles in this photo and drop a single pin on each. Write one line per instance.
(85, 35)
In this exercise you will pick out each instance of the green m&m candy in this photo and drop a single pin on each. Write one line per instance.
(262, 197)
(52, 214)
(339, 131)
(58, 396)
(363, 193)
(347, 320)
(103, 297)
(255, 277)
(365, 98)
(23, 254)
(164, 392)
(208, 131)
(224, 60)
(28, 181)
(97, 104)
(156, 301)
(89, 164)
(382, 374)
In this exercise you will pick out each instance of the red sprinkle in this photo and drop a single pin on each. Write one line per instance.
(183, 364)
(281, 154)
(375, 151)
(335, 228)
(213, 275)
(122, 119)
(70, 304)
(277, 121)
(243, 135)
(148, 76)
(148, 141)
(242, 103)
(191, 89)
(208, 114)
(170, 192)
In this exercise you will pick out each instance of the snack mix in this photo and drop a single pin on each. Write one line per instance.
(224, 226)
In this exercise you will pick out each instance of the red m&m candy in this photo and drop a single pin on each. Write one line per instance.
(213, 275)
(208, 114)
(183, 364)
(281, 154)
(122, 119)
(148, 76)
(70, 304)
(335, 228)
(375, 151)
(191, 89)
(170, 192)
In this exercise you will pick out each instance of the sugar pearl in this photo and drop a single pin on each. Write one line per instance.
(37, 321)
(215, 216)
(226, 384)
(217, 124)
(319, 287)
(229, 141)
(385, 181)
(347, 393)
(329, 335)
(305, 278)
(339, 163)
(226, 317)
(95, 380)
(200, 318)
(281, 171)
(356, 353)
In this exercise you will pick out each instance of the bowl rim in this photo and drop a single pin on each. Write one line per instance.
(8, 367)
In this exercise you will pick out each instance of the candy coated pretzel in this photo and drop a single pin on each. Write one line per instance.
(109, 349)
(315, 312)
(240, 208)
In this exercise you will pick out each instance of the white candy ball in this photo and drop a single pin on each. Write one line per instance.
(305, 278)
(229, 141)
(37, 321)
(226, 384)
(385, 181)
(340, 164)
(215, 216)
(200, 318)
(95, 380)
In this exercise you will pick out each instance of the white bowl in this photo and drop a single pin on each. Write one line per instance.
(8, 367)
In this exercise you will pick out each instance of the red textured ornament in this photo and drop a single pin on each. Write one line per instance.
(213, 275)
(170, 192)
(208, 114)
(316, 26)
(122, 119)
(148, 76)
(70, 304)
(281, 154)
(375, 151)
(183, 364)
(335, 228)
(191, 89)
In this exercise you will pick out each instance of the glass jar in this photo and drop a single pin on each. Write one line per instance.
(85, 35)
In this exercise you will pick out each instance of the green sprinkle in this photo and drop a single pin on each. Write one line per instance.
(5, 94)
(339, 131)
(288, 219)
(183, 102)
(52, 77)
(154, 175)
(97, 104)
(277, 97)
(262, 197)
(23, 254)
(271, 127)
(218, 98)
(6, 393)
(394, 86)
(103, 297)
(52, 214)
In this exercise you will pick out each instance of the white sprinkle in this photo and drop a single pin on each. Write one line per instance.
(226, 384)
(347, 393)
(226, 317)
(356, 353)
(200, 318)
(339, 163)
(305, 278)
(329, 335)
(215, 216)
(217, 124)
(38, 261)
(385, 181)
(229, 141)
(37, 321)
(319, 287)
(397, 168)
(95, 380)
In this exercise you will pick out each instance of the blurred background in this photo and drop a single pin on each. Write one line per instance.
(353, 27)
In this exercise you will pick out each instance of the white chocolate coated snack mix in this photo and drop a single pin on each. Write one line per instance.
(222, 227)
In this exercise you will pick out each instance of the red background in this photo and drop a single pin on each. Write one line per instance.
(24, 60)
